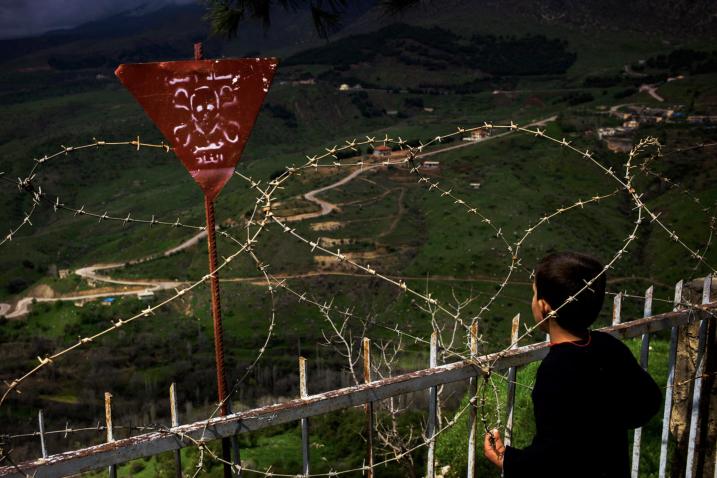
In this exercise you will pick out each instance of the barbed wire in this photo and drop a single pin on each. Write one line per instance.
(262, 216)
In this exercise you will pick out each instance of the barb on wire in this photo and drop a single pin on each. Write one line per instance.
(450, 320)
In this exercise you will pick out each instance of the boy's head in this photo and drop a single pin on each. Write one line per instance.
(561, 275)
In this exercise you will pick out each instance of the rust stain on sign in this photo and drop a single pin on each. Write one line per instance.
(205, 108)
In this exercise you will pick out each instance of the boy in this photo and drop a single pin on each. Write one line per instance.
(589, 390)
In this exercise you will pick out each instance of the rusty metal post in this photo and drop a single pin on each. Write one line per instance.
(644, 357)
(41, 425)
(110, 430)
(174, 414)
(216, 311)
(472, 396)
(303, 393)
(432, 411)
(368, 407)
(512, 375)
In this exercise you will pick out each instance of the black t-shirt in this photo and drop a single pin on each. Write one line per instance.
(587, 395)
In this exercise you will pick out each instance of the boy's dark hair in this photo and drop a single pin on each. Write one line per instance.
(561, 275)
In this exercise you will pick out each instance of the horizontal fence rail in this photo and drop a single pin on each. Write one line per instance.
(177, 437)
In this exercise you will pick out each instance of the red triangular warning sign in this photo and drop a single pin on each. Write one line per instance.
(205, 108)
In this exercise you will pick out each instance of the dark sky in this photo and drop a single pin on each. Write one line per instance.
(21, 18)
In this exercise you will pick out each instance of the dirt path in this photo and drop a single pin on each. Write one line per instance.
(22, 307)
(260, 280)
(652, 91)
(466, 144)
(325, 207)
(399, 215)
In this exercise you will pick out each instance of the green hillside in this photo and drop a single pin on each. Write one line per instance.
(418, 79)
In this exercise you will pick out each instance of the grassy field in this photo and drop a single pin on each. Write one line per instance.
(386, 218)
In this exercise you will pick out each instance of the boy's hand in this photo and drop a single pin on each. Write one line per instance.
(493, 448)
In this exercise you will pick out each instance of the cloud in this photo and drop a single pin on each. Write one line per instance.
(20, 18)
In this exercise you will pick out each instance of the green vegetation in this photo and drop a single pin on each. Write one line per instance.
(434, 51)
(436, 80)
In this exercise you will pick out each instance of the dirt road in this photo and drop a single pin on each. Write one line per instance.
(325, 207)
(90, 273)
(22, 307)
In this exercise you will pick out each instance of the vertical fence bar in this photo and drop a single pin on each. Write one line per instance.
(303, 393)
(432, 411)
(41, 425)
(174, 414)
(697, 392)
(644, 357)
(666, 414)
(472, 393)
(512, 375)
(235, 468)
(368, 407)
(110, 430)
(617, 308)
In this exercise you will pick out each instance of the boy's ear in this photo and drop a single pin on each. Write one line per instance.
(544, 307)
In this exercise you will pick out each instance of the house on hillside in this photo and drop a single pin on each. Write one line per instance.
(430, 166)
(701, 119)
(619, 145)
(146, 296)
(603, 133)
(477, 135)
(382, 152)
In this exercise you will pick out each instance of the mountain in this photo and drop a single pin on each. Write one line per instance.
(167, 32)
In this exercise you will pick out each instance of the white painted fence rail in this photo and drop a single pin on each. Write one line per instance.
(176, 437)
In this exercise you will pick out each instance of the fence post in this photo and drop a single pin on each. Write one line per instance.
(432, 410)
(175, 423)
(644, 357)
(697, 393)
(708, 418)
(662, 473)
(472, 393)
(110, 431)
(235, 467)
(368, 407)
(616, 308)
(303, 393)
(512, 375)
(41, 425)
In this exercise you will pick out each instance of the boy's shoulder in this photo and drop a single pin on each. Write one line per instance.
(603, 338)
(600, 344)
(607, 343)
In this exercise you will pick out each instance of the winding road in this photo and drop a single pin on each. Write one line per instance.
(22, 307)
(91, 273)
(326, 207)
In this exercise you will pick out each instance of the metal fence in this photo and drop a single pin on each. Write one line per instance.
(175, 437)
